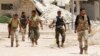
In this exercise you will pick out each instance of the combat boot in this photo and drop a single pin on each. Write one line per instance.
(11, 44)
(23, 38)
(32, 42)
(81, 50)
(62, 45)
(17, 43)
(12, 41)
(58, 45)
(85, 50)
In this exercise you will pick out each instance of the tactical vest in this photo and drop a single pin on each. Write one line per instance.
(82, 24)
(23, 20)
(59, 23)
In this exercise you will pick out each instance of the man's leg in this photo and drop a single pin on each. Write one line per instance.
(12, 39)
(32, 37)
(63, 37)
(80, 43)
(23, 34)
(37, 35)
(17, 42)
(57, 38)
(85, 45)
(9, 31)
(29, 31)
(32, 41)
(25, 29)
(16, 36)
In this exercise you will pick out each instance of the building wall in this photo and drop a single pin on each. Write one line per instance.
(96, 10)
(27, 7)
(90, 10)
(93, 9)
(14, 2)
(18, 6)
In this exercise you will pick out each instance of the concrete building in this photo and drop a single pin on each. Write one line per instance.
(16, 6)
(92, 7)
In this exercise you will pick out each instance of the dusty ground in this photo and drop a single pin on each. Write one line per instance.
(46, 47)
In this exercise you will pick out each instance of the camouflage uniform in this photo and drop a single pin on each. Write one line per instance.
(82, 26)
(23, 23)
(60, 30)
(14, 26)
(34, 34)
(34, 29)
(9, 30)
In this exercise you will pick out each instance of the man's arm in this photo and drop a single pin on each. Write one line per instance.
(65, 27)
(41, 24)
(50, 26)
(89, 24)
(76, 22)
(64, 23)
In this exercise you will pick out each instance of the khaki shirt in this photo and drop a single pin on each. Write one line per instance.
(34, 21)
(14, 22)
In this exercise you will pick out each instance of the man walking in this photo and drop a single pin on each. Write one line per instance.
(34, 22)
(14, 22)
(59, 29)
(23, 21)
(82, 26)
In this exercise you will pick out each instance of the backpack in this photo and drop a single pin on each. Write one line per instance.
(14, 24)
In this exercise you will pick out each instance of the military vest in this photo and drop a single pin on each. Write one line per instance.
(82, 24)
(60, 22)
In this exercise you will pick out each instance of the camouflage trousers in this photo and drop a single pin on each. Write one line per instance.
(57, 33)
(14, 35)
(83, 41)
(23, 32)
(34, 35)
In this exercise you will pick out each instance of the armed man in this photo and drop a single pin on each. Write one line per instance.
(82, 27)
(34, 22)
(60, 28)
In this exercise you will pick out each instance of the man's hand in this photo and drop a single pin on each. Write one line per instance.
(75, 31)
(49, 26)
(89, 31)
(65, 29)
(42, 28)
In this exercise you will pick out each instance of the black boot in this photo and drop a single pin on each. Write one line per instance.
(36, 42)
(62, 45)
(32, 42)
(11, 44)
(23, 38)
(81, 50)
(58, 44)
(12, 41)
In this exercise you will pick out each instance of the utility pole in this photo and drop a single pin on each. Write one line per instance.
(99, 9)
(78, 6)
(72, 10)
